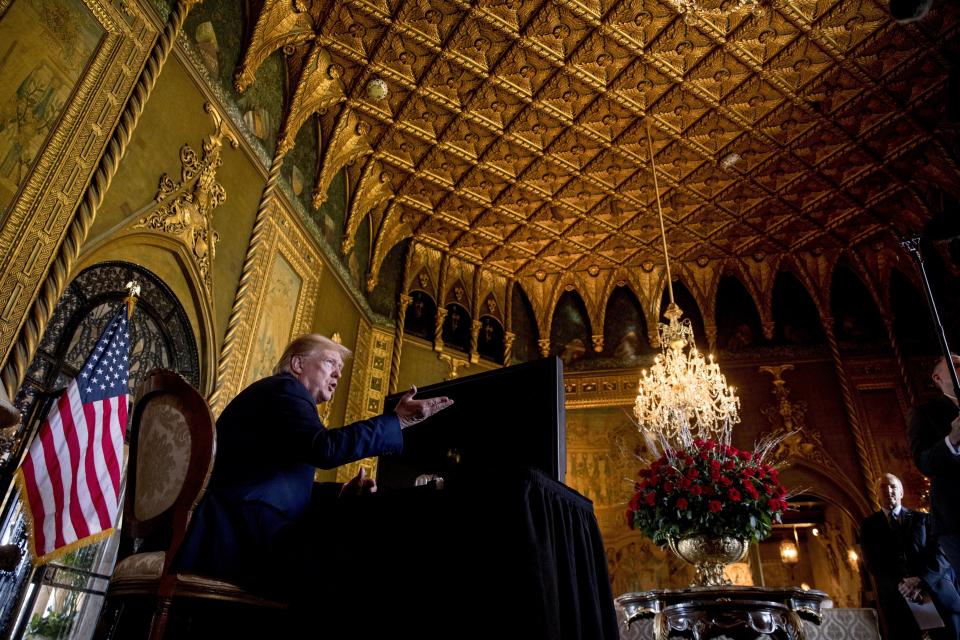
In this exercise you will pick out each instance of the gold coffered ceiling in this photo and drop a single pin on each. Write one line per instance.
(514, 133)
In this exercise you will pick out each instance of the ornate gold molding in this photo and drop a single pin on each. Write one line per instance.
(276, 232)
(48, 224)
(369, 384)
(346, 143)
(373, 189)
(318, 88)
(185, 209)
(281, 23)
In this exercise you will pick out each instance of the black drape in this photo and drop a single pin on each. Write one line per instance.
(512, 555)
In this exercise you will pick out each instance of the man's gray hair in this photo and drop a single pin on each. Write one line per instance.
(305, 345)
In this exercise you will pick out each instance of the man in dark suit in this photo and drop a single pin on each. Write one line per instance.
(906, 564)
(258, 519)
(934, 436)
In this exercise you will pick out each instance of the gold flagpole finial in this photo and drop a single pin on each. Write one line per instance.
(133, 288)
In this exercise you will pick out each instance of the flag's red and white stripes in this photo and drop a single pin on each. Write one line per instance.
(70, 477)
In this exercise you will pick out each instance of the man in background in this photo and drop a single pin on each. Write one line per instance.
(907, 565)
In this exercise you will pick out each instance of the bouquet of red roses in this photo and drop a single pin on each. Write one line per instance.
(707, 488)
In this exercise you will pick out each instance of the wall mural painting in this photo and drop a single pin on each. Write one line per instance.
(857, 322)
(276, 318)
(45, 46)
(604, 451)
(421, 315)
(359, 259)
(490, 343)
(738, 321)
(383, 298)
(524, 326)
(624, 330)
(217, 30)
(570, 330)
(300, 165)
(456, 327)
(794, 313)
(332, 214)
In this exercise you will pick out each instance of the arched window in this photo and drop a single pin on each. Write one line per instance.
(160, 336)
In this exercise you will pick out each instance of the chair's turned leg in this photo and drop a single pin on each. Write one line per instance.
(158, 624)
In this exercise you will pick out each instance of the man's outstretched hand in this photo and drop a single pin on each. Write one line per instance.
(412, 411)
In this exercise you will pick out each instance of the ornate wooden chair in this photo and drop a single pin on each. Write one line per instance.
(172, 447)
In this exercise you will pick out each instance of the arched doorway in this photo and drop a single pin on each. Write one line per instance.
(160, 336)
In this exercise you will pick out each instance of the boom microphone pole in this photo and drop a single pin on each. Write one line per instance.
(912, 245)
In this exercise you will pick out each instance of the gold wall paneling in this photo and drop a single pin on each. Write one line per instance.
(44, 228)
(369, 381)
(279, 242)
(184, 209)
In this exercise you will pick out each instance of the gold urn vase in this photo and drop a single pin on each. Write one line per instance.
(709, 555)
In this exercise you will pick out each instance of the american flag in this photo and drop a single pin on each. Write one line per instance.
(71, 475)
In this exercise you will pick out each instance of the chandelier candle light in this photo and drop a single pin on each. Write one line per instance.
(683, 396)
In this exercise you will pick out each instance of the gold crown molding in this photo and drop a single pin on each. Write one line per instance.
(281, 23)
(184, 210)
(110, 97)
(373, 189)
(318, 88)
(346, 144)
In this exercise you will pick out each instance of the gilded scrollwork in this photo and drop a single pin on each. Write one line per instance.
(185, 209)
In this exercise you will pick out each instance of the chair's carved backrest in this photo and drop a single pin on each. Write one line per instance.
(172, 444)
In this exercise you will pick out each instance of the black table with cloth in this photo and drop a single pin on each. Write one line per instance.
(510, 554)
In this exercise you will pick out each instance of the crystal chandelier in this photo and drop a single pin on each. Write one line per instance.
(683, 396)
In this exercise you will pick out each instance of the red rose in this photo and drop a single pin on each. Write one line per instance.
(692, 473)
(745, 455)
(715, 464)
(748, 472)
(644, 473)
(696, 490)
(729, 464)
(708, 491)
(653, 481)
(704, 455)
(682, 503)
(635, 502)
(714, 474)
(650, 498)
(715, 506)
(685, 483)
(734, 494)
(667, 486)
(726, 481)
(688, 461)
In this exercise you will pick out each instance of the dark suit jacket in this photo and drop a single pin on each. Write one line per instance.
(269, 442)
(894, 554)
(929, 425)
